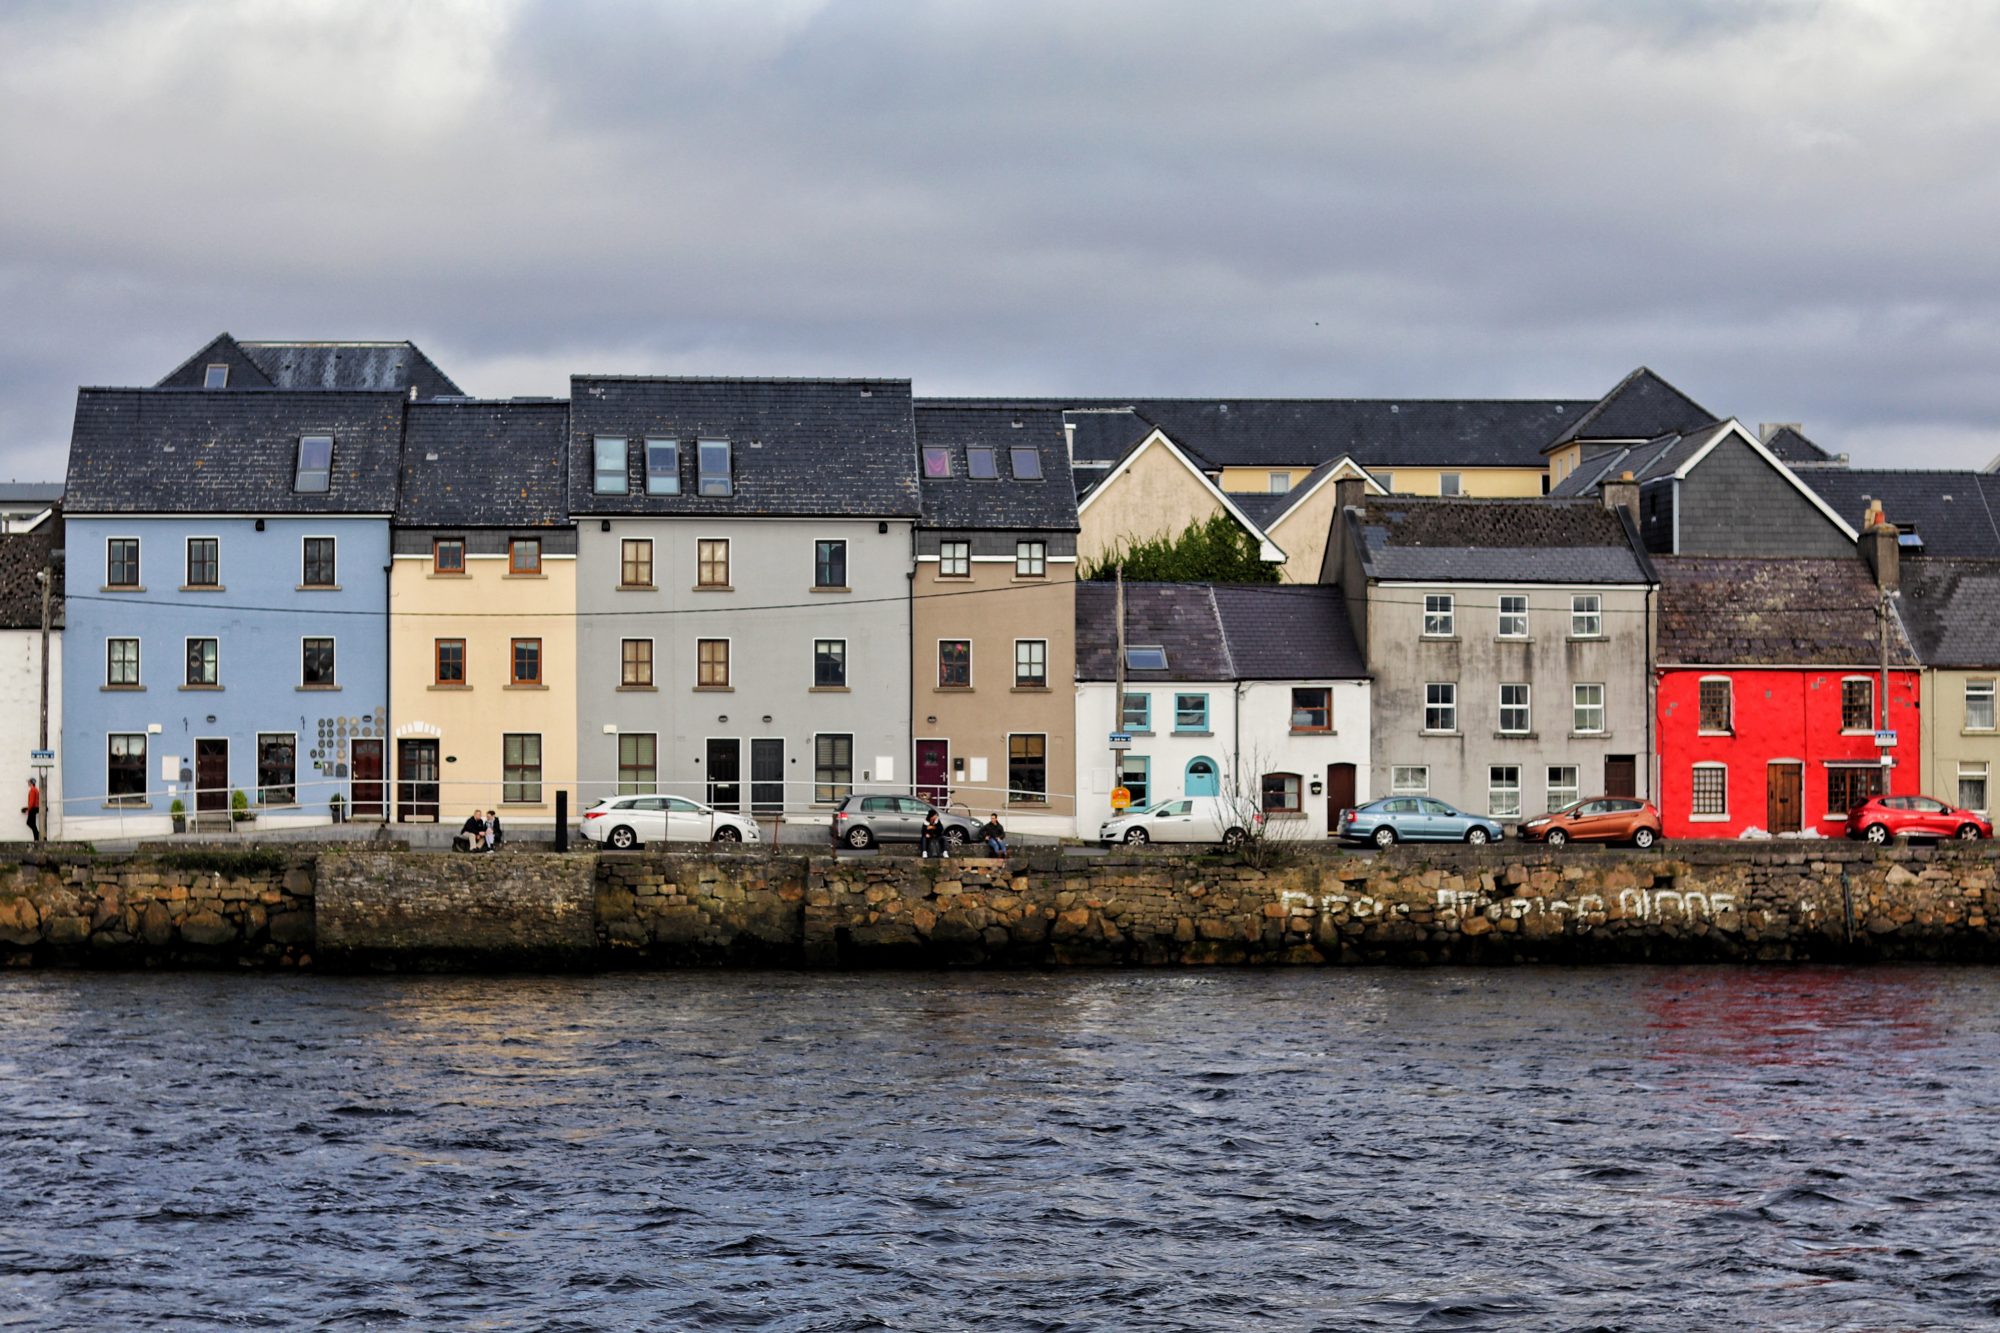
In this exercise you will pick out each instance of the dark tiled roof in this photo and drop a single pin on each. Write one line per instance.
(1953, 512)
(1261, 508)
(1642, 407)
(316, 365)
(22, 556)
(1717, 611)
(1951, 609)
(1288, 631)
(1281, 432)
(222, 350)
(30, 492)
(193, 452)
(485, 464)
(1104, 435)
(1219, 632)
(1513, 541)
(1788, 443)
(835, 448)
(1179, 617)
(1046, 502)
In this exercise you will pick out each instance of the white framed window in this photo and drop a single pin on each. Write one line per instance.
(1513, 616)
(1978, 709)
(954, 560)
(608, 476)
(1718, 705)
(1972, 787)
(121, 664)
(1441, 706)
(1514, 719)
(215, 377)
(1450, 483)
(1709, 794)
(1031, 560)
(1387, 481)
(1031, 664)
(1586, 616)
(1410, 780)
(1503, 791)
(1277, 483)
(1588, 710)
(1563, 787)
(1440, 615)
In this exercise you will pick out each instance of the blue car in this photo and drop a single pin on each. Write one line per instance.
(1397, 819)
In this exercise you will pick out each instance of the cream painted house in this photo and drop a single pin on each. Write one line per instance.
(1946, 607)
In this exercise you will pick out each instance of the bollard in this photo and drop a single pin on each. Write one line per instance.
(562, 820)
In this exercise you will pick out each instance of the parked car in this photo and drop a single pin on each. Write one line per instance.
(1880, 818)
(1599, 819)
(863, 821)
(1190, 819)
(624, 822)
(1395, 819)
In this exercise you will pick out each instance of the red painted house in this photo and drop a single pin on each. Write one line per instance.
(1768, 695)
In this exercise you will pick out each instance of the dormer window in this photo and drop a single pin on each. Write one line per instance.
(315, 470)
(215, 377)
(663, 467)
(1027, 464)
(937, 462)
(608, 466)
(979, 463)
(715, 477)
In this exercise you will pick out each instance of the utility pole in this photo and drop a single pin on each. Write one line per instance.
(1882, 638)
(48, 582)
(1118, 690)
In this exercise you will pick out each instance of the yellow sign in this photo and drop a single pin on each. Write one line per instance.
(1120, 798)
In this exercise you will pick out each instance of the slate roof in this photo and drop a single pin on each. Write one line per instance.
(1957, 514)
(1512, 541)
(191, 451)
(22, 556)
(800, 447)
(1100, 435)
(398, 365)
(1642, 406)
(30, 492)
(1218, 632)
(1044, 503)
(1790, 444)
(1264, 509)
(1951, 609)
(1733, 611)
(1654, 459)
(485, 463)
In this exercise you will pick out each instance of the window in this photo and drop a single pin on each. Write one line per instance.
(830, 564)
(1027, 768)
(1514, 710)
(1277, 483)
(1190, 712)
(1563, 787)
(937, 462)
(1978, 710)
(121, 562)
(1857, 704)
(663, 466)
(315, 470)
(712, 563)
(1972, 787)
(635, 562)
(1716, 709)
(1137, 713)
(450, 658)
(1587, 710)
(121, 663)
(1586, 616)
(1027, 463)
(1135, 775)
(715, 476)
(1503, 791)
(1513, 616)
(608, 475)
(955, 560)
(125, 769)
(1031, 560)
(1146, 659)
(1450, 483)
(833, 768)
(201, 664)
(215, 377)
(318, 563)
(318, 662)
(829, 664)
(204, 562)
(712, 664)
(638, 771)
(448, 555)
(524, 556)
(1440, 616)
(526, 659)
(1312, 708)
(521, 768)
(1848, 785)
(1409, 780)
(980, 464)
(1440, 707)
(954, 664)
(1387, 481)
(277, 768)
(1710, 796)
(1031, 664)
(635, 664)
(1281, 794)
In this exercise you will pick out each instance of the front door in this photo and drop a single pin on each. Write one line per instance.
(934, 771)
(416, 781)
(767, 776)
(725, 774)
(211, 775)
(365, 763)
(1203, 779)
(1783, 805)
(1339, 796)
(1621, 775)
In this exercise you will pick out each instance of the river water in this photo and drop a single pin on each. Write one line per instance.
(1559, 1149)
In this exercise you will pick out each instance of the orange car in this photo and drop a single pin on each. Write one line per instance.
(1599, 819)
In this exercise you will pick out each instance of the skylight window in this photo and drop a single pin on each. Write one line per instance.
(1145, 659)
(937, 462)
(608, 475)
(663, 467)
(715, 478)
(315, 470)
(215, 377)
(1027, 464)
(979, 463)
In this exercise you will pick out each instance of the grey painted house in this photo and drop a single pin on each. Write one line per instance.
(744, 550)
(1508, 644)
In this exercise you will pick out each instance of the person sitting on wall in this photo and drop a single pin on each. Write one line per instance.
(933, 836)
(996, 836)
(471, 835)
(493, 834)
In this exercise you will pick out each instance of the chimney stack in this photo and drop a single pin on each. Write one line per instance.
(1622, 494)
(1766, 429)
(1879, 547)
(1349, 491)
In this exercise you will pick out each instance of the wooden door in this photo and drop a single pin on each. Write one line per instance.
(1783, 803)
(725, 774)
(365, 769)
(934, 771)
(1339, 796)
(1621, 775)
(211, 775)
(416, 780)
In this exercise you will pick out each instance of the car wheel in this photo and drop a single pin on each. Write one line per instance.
(1385, 836)
(1556, 837)
(1968, 833)
(623, 838)
(1135, 837)
(1477, 837)
(1644, 838)
(859, 838)
(1876, 834)
(728, 833)
(955, 836)
(1234, 838)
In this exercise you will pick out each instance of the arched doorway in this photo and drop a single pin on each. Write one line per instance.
(1202, 778)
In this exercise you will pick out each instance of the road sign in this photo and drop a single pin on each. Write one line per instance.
(41, 756)
(1120, 798)
(1885, 740)
(1121, 740)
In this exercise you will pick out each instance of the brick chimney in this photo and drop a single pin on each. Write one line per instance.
(1622, 493)
(1349, 491)
(1880, 549)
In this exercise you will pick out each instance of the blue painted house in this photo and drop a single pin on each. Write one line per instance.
(229, 604)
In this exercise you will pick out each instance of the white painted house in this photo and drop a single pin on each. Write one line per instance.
(23, 557)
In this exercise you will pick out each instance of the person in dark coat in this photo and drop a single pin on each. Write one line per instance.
(471, 835)
(995, 835)
(493, 834)
(933, 835)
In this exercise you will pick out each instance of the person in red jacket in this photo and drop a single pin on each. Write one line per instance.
(33, 810)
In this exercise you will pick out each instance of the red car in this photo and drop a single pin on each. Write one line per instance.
(1880, 818)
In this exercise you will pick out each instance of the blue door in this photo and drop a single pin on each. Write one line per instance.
(1202, 778)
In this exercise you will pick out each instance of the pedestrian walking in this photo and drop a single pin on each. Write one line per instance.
(33, 810)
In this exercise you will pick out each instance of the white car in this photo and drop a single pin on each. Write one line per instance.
(1190, 819)
(624, 822)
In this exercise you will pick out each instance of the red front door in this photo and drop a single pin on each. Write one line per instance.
(365, 760)
(934, 771)
(1339, 796)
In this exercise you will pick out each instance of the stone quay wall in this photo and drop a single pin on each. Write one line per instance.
(339, 908)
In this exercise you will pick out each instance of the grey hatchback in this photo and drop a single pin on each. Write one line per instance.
(1397, 819)
(863, 821)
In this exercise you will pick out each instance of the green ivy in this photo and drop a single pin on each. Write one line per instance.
(1217, 551)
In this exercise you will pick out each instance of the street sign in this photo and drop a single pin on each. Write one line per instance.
(1885, 740)
(1121, 798)
(1121, 740)
(41, 756)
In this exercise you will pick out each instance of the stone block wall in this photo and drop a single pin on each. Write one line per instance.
(428, 910)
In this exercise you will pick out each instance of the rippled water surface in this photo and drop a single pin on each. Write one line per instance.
(1634, 1148)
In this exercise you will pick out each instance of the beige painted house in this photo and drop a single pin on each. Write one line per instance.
(1946, 607)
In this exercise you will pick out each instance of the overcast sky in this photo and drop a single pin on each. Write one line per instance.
(1786, 208)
